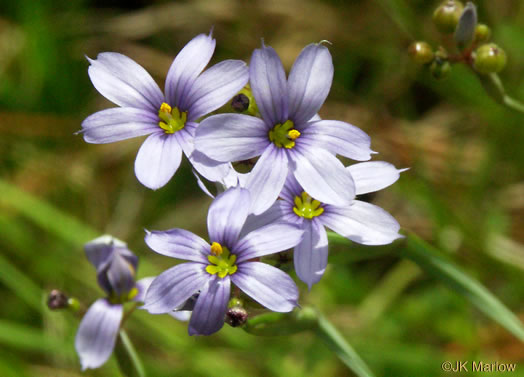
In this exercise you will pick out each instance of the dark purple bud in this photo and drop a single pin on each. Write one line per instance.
(57, 300)
(240, 103)
(236, 316)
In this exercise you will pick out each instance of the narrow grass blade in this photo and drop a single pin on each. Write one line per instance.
(431, 261)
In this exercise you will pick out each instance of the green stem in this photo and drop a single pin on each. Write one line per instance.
(273, 324)
(494, 87)
(127, 357)
(336, 342)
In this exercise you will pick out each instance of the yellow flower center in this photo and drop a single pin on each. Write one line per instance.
(171, 120)
(307, 207)
(222, 262)
(284, 135)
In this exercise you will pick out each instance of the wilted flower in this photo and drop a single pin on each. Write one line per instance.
(227, 258)
(170, 120)
(359, 221)
(115, 268)
(286, 137)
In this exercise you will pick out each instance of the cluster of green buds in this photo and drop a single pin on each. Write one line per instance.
(471, 42)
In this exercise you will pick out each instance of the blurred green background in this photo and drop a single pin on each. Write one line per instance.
(464, 192)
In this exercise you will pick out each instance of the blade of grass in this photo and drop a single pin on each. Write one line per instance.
(431, 261)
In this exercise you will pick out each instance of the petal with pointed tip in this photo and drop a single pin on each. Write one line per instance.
(267, 285)
(227, 214)
(178, 243)
(231, 137)
(309, 82)
(363, 223)
(269, 239)
(339, 138)
(120, 123)
(173, 287)
(269, 86)
(125, 83)
(311, 255)
(210, 309)
(157, 160)
(96, 336)
(267, 178)
(214, 87)
(186, 67)
(323, 177)
(373, 176)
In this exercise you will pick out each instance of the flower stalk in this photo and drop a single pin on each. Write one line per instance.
(309, 319)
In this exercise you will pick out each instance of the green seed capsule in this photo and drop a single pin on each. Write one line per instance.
(489, 58)
(482, 33)
(420, 52)
(439, 68)
(447, 15)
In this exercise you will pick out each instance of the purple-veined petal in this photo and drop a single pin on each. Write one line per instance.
(267, 178)
(227, 214)
(117, 124)
(210, 309)
(269, 239)
(178, 243)
(96, 336)
(214, 87)
(309, 82)
(212, 170)
(268, 83)
(157, 160)
(231, 137)
(311, 255)
(142, 286)
(188, 64)
(323, 177)
(291, 188)
(338, 137)
(267, 285)
(173, 287)
(120, 275)
(181, 315)
(373, 176)
(362, 222)
(99, 251)
(273, 214)
(125, 83)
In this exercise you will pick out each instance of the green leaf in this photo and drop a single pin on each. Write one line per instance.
(431, 261)
(20, 284)
(127, 357)
(45, 215)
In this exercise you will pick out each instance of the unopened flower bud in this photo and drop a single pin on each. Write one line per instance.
(240, 103)
(57, 300)
(440, 68)
(489, 58)
(236, 316)
(421, 52)
(446, 16)
(465, 30)
(482, 33)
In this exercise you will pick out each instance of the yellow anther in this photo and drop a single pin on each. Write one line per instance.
(165, 108)
(293, 134)
(216, 249)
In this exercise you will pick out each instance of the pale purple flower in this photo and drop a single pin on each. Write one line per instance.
(170, 120)
(287, 138)
(227, 258)
(358, 221)
(115, 267)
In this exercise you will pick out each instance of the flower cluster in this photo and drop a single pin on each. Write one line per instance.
(296, 188)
